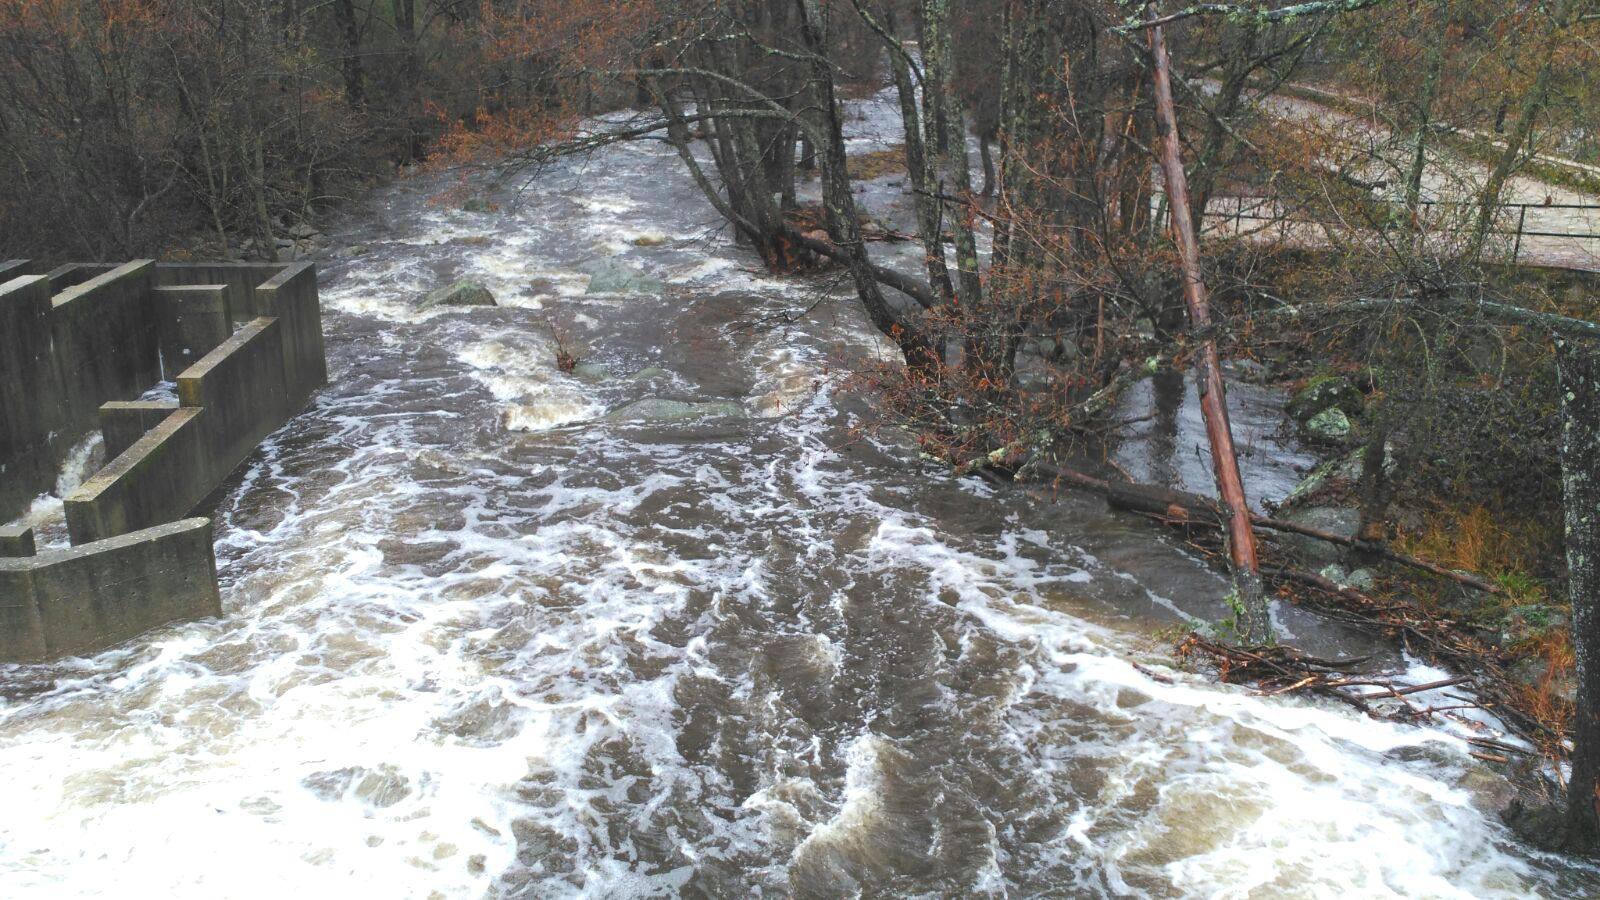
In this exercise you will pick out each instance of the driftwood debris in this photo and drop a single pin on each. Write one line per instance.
(1283, 670)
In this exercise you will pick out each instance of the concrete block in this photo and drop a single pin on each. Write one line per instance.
(122, 422)
(229, 400)
(291, 297)
(194, 320)
(21, 631)
(73, 274)
(240, 279)
(242, 388)
(106, 341)
(160, 477)
(32, 424)
(16, 540)
(99, 594)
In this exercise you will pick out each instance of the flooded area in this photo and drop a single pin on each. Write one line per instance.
(686, 622)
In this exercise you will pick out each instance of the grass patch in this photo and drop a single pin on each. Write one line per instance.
(878, 163)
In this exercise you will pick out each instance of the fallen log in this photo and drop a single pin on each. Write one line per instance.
(1184, 507)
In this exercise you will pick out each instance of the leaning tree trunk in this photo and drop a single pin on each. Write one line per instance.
(1253, 624)
(1579, 367)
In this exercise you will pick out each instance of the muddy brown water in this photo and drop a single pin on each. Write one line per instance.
(481, 639)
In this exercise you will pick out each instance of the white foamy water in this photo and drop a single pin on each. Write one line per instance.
(478, 639)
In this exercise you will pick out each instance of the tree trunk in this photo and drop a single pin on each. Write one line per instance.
(354, 90)
(1579, 367)
(405, 15)
(984, 153)
(1254, 626)
(838, 200)
(1533, 103)
(929, 220)
(947, 149)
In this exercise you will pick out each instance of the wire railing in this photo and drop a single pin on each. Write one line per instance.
(1240, 209)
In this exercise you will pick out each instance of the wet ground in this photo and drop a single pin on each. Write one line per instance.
(484, 635)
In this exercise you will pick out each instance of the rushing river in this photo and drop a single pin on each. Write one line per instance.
(484, 634)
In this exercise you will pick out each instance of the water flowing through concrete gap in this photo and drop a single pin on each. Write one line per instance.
(485, 636)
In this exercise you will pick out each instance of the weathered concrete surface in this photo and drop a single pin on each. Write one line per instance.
(76, 344)
(16, 540)
(160, 477)
(96, 595)
(229, 400)
(291, 298)
(105, 337)
(123, 422)
(245, 392)
(31, 414)
(194, 318)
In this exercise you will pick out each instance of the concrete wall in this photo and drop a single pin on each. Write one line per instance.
(61, 356)
(31, 413)
(105, 337)
(291, 298)
(194, 319)
(229, 401)
(83, 334)
(77, 343)
(93, 596)
(122, 422)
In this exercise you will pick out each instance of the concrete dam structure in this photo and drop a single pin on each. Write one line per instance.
(79, 346)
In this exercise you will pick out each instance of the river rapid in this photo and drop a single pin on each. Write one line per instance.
(490, 630)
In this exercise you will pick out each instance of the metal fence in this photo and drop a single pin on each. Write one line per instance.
(1533, 220)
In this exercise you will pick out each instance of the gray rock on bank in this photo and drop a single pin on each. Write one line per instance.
(1331, 392)
(1324, 410)
(1331, 426)
(1316, 554)
(461, 293)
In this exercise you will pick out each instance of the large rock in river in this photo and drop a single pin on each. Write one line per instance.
(462, 293)
(607, 276)
(660, 409)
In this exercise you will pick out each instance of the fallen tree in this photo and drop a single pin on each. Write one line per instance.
(1185, 508)
(1256, 624)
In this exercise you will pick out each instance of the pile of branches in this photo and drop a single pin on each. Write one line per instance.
(1279, 669)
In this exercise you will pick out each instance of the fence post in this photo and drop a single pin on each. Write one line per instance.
(1516, 248)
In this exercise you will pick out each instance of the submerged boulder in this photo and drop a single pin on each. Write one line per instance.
(592, 371)
(660, 409)
(607, 276)
(461, 293)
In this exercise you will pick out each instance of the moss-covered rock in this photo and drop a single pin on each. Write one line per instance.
(1325, 393)
(1331, 426)
(461, 293)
